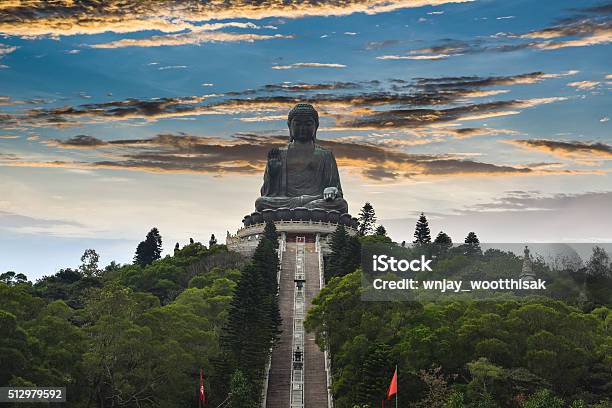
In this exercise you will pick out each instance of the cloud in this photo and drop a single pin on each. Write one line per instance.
(300, 86)
(414, 57)
(245, 154)
(17, 223)
(4, 51)
(573, 150)
(356, 104)
(535, 201)
(519, 216)
(190, 38)
(410, 118)
(309, 65)
(172, 67)
(577, 31)
(79, 141)
(62, 18)
(375, 45)
(9, 137)
(584, 85)
(481, 82)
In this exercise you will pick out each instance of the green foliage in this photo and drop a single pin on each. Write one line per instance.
(11, 278)
(240, 392)
(442, 244)
(381, 231)
(253, 320)
(150, 249)
(89, 263)
(491, 351)
(422, 234)
(345, 254)
(544, 399)
(118, 338)
(599, 263)
(367, 219)
(472, 245)
(271, 234)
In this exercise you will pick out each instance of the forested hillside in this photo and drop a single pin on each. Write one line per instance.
(512, 351)
(138, 334)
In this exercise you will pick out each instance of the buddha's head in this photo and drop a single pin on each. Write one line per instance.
(303, 122)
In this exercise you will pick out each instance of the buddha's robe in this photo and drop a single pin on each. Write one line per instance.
(304, 172)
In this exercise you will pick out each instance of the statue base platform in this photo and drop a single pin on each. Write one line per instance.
(247, 238)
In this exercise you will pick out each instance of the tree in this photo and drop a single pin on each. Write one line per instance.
(345, 254)
(376, 370)
(11, 278)
(241, 395)
(472, 245)
(150, 249)
(176, 248)
(442, 243)
(89, 263)
(382, 231)
(599, 263)
(544, 399)
(437, 391)
(421, 232)
(484, 373)
(367, 219)
(254, 318)
(213, 241)
(271, 233)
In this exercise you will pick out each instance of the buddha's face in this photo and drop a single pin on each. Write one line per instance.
(303, 128)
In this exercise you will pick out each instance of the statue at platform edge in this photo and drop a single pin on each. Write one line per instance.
(302, 174)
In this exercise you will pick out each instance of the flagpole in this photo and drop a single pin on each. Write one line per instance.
(397, 392)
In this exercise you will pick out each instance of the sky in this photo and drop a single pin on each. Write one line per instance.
(488, 116)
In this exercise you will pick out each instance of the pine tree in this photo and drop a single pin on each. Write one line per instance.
(472, 245)
(377, 369)
(271, 233)
(150, 249)
(442, 243)
(212, 241)
(367, 219)
(345, 255)
(382, 231)
(338, 245)
(253, 322)
(240, 390)
(421, 232)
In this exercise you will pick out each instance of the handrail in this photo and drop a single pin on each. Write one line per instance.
(330, 398)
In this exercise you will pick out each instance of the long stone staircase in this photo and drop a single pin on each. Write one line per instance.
(309, 385)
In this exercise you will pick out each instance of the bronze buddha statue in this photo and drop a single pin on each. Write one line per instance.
(302, 174)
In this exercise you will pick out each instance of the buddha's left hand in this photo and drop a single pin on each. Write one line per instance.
(330, 193)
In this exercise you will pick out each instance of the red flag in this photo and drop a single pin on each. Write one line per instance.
(202, 394)
(393, 386)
